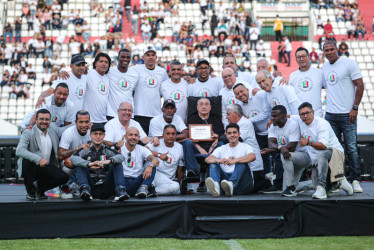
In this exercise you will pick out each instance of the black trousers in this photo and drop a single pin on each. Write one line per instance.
(48, 177)
(259, 181)
(144, 122)
(278, 35)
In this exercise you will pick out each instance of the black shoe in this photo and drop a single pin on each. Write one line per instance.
(85, 194)
(290, 191)
(202, 187)
(183, 186)
(142, 192)
(121, 195)
(152, 191)
(193, 173)
(271, 190)
(39, 194)
(30, 197)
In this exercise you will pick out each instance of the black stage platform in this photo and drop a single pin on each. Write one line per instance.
(191, 216)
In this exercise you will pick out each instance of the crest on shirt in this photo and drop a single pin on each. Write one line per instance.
(79, 92)
(170, 161)
(204, 92)
(274, 102)
(55, 117)
(305, 84)
(282, 140)
(332, 78)
(177, 96)
(102, 88)
(124, 85)
(130, 162)
(253, 113)
(151, 81)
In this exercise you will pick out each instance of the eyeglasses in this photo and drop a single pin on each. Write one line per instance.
(203, 68)
(228, 76)
(303, 57)
(306, 113)
(126, 110)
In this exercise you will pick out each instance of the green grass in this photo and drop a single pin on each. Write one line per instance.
(324, 243)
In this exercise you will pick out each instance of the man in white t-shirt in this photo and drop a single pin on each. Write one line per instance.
(308, 81)
(344, 92)
(123, 81)
(116, 128)
(147, 100)
(138, 176)
(205, 86)
(288, 49)
(176, 89)
(170, 154)
(74, 48)
(168, 116)
(229, 166)
(284, 137)
(324, 149)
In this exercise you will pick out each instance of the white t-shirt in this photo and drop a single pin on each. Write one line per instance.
(308, 87)
(283, 95)
(96, 98)
(114, 131)
(175, 158)
(248, 78)
(74, 47)
(225, 151)
(71, 139)
(59, 115)
(290, 132)
(122, 86)
(209, 88)
(133, 166)
(77, 90)
(340, 87)
(178, 93)
(319, 130)
(147, 92)
(157, 124)
(253, 33)
(247, 133)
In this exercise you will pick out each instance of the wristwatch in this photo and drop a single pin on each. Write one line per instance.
(150, 164)
(158, 155)
(355, 107)
(310, 141)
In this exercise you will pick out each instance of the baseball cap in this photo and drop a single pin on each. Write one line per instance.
(149, 48)
(77, 60)
(97, 127)
(168, 102)
(202, 60)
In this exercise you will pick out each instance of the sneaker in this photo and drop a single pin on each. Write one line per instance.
(344, 185)
(183, 186)
(54, 192)
(272, 190)
(320, 193)
(290, 191)
(356, 187)
(85, 193)
(65, 192)
(227, 187)
(201, 188)
(121, 195)
(142, 192)
(213, 187)
(193, 173)
(152, 191)
(30, 197)
(39, 194)
(74, 189)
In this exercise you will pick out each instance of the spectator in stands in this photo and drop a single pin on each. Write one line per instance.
(49, 47)
(39, 47)
(135, 20)
(204, 19)
(25, 10)
(321, 41)
(213, 23)
(222, 31)
(189, 44)
(47, 65)
(340, 15)
(176, 28)
(198, 54)
(165, 44)
(328, 27)
(246, 64)
(192, 30)
(78, 32)
(212, 49)
(278, 28)
(360, 29)
(260, 49)
(351, 30)
(22, 92)
(287, 50)
(22, 77)
(16, 58)
(56, 9)
(117, 27)
(13, 78)
(348, 13)
(154, 31)
(63, 24)
(8, 32)
(47, 17)
(30, 70)
(5, 78)
(17, 29)
(319, 22)
(56, 64)
(343, 49)
(48, 79)
(253, 36)
(13, 92)
(146, 31)
(78, 20)
(313, 56)
(74, 47)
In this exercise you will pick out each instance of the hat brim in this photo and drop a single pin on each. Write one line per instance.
(149, 51)
(79, 62)
(98, 129)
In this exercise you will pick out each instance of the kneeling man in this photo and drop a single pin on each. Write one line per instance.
(229, 163)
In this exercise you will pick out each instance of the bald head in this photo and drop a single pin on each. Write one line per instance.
(132, 130)
(229, 77)
(132, 137)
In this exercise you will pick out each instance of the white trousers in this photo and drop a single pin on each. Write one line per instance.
(165, 186)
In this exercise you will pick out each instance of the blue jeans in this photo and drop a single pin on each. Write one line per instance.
(132, 184)
(148, 35)
(86, 36)
(114, 179)
(241, 177)
(289, 57)
(134, 26)
(173, 36)
(17, 36)
(278, 169)
(48, 53)
(340, 124)
(10, 34)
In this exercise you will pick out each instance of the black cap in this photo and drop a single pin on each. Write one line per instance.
(202, 60)
(97, 126)
(77, 60)
(169, 102)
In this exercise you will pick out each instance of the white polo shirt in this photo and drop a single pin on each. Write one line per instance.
(177, 92)
(157, 124)
(96, 99)
(133, 163)
(209, 88)
(114, 131)
(147, 100)
(308, 87)
(71, 139)
(175, 158)
(340, 87)
(59, 115)
(122, 86)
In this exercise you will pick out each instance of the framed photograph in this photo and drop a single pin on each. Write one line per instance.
(200, 132)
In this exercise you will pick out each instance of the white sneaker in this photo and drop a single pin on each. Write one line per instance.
(65, 196)
(213, 187)
(320, 193)
(356, 187)
(227, 187)
(344, 185)
(75, 189)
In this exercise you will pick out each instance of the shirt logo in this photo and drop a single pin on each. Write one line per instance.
(177, 96)
(332, 78)
(231, 101)
(151, 81)
(79, 92)
(130, 164)
(275, 102)
(102, 88)
(54, 118)
(307, 137)
(102, 158)
(204, 94)
(282, 141)
(305, 84)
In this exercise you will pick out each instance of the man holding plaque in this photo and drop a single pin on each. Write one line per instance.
(204, 144)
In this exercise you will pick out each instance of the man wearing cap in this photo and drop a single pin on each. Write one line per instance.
(77, 84)
(99, 169)
(147, 99)
(205, 86)
(168, 116)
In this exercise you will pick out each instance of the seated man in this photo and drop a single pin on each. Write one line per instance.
(324, 150)
(138, 176)
(284, 135)
(99, 169)
(229, 166)
(37, 150)
(171, 160)
(168, 116)
(190, 148)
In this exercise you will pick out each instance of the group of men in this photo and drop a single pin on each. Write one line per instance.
(105, 130)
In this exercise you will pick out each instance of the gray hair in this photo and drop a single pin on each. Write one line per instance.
(235, 108)
(263, 59)
(175, 62)
(266, 73)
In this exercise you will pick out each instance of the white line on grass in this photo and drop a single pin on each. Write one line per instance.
(233, 245)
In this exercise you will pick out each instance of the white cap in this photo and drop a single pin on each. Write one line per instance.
(149, 48)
